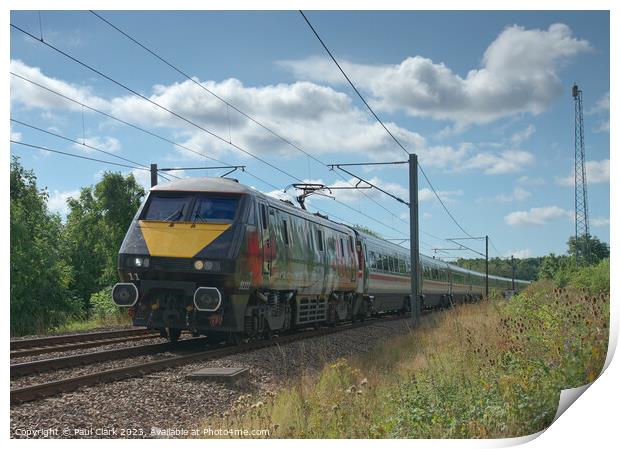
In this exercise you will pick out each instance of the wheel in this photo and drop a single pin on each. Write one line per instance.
(234, 339)
(267, 332)
(173, 334)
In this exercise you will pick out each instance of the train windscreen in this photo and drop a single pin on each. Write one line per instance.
(168, 208)
(215, 209)
(191, 207)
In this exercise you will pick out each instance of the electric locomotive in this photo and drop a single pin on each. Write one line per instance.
(217, 258)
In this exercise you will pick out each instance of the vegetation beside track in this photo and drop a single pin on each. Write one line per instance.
(61, 271)
(486, 370)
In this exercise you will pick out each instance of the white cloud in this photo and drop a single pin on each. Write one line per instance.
(16, 136)
(507, 161)
(600, 221)
(596, 172)
(520, 253)
(536, 216)
(521, 136)
(601, 108)
(110, 144)
(531, 182)
(34, 97)
(319, 119)
(57, 201)
(426, 216)
(518, 194)
(447, 196)
(518, 74)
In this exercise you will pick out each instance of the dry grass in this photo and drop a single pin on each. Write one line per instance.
(486, 370)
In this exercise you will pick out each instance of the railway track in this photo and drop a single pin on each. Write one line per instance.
(34, 392)
(55, 363)
(37, 346)
(75, 338)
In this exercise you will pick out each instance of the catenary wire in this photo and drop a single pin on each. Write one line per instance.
(154, 103)
(229, 104)
(381, 122)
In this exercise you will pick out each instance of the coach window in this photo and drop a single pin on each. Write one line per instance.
(310, 245)
(285, 232)
(263, 215)
(319, 239)
(351, 245)
(341, 247)
(251, 214)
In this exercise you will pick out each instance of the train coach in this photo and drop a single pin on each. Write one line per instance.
(218, 258)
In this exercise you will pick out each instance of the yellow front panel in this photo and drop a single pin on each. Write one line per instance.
(171, 239)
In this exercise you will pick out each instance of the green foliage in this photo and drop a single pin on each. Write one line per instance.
(487, 370)
(96, 225)
(586, 243)
(592, 279)
(526, 269)
(101, 304)
(40, 275)
(56, 268)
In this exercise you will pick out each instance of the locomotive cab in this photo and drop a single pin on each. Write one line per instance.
(179, 261)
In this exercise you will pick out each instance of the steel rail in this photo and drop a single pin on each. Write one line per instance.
(72, 338)
(82, 345)
(34, 392)
(39, 366)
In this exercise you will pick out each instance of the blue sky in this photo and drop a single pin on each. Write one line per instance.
(482, 97)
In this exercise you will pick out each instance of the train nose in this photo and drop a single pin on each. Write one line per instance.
(207, 299)
(125, 294)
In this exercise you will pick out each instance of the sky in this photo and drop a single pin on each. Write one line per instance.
(483, 98)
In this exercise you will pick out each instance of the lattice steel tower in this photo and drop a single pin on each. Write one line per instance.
(582, 228)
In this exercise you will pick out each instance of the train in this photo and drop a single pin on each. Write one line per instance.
(215, 257)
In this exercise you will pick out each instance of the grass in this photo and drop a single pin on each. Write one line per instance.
(487, 370)
(94, 323)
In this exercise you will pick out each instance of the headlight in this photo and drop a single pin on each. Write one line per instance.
(198, 264)
(138, 262)
(207, 299)
(208, 265)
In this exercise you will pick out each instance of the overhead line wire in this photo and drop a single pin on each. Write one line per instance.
(180, 117)
(175, 143)
(379, 120)
(124, 122)
(223, 100)
(171, 112)
(84, 144)
(76, 155)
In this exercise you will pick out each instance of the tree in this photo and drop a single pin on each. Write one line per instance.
(40, 275)
(598, 250)
(96, 225)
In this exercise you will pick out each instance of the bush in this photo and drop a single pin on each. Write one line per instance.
(593, 279)
(102, 305)
(487, 370)
(41, 297)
